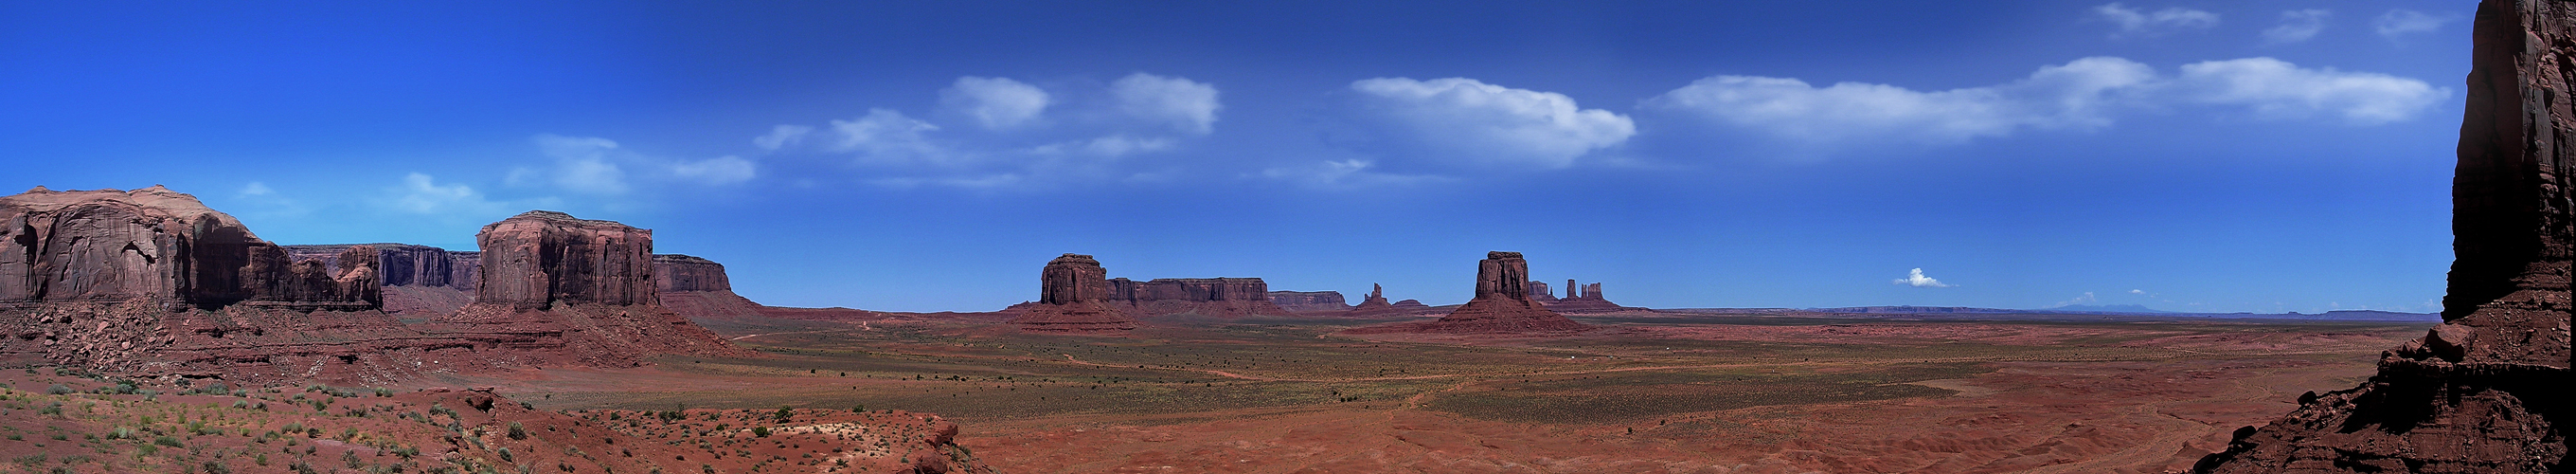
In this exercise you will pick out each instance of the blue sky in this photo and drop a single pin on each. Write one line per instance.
(924, 156)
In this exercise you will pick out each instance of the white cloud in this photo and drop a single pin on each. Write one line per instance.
(1109, 146)
(782, 136)
(2137, 292)
(2297, 26)
(2402, 21)
(256, 188)
(996, 103)
(2278, 89)
(581, 163)
(2086, 298)
(1916, 279)
(2073, 95)
(887, 136)
(2133, 22)
(720, 170)
(1185, 105)
(419, 194)
(1342, 174)
(1462, 118)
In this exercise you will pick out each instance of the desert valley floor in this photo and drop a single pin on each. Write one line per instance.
(1649, 392)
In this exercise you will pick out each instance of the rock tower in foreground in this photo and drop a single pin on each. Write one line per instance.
(2487, 390)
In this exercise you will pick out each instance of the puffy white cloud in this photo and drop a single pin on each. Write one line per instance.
(2133, 22)
(994, 102)
(421, 194)
(2073, 95)
(782, 136)
(887, 136)
(2278, 89)
(2297, 26)
(256, 188)
(720, 170)
(581, 163)
(1185, 105)
(2403, 21)
(1916, 279)
(1465, 119)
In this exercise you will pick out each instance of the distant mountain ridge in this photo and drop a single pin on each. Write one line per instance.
(2134, 310)
(2107, 308)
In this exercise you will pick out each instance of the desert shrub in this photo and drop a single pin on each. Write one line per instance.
(505, 455)
(760, 431)
(518, 431)
(58, 389)
(168, 441)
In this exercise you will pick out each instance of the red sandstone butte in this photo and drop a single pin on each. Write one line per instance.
(2488, 389)
(1220, 297)
(697, 288)
(1502, 305)
(1578, 299)
(1310, 301)
(1374, 305)
(578, 289)
(1073, 296)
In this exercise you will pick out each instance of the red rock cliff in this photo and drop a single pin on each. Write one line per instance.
(1310, 301)
(540, 258)
(2487, 390)
(1073, 296)
(672, 272)
(1223, 297)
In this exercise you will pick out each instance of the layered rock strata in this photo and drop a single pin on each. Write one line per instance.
(419, 281)
(1310, 301)
(1502, 305)
(698, 289)
(580, 289)
(152, 282)
(1073, 296)
(1221, 297)
(2487, 390)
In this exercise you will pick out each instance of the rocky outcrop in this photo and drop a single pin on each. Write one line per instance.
(2487, 390)
(1220, 297)
(1502, 305)
(673, 272)
(1310, 301)
(419, 281)
(1073, 296)
(1585, 299)
(1540, 292)
(577, 291)
(541, 258)
(1375, 306)
(153, 244)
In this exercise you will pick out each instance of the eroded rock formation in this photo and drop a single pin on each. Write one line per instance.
(1502, 305)
(1221, 297)
(1375, 305)
(2487, 390)
(1073, 296)
(1310, 301)
(419, 281)
(1582, 299)
(579, 289)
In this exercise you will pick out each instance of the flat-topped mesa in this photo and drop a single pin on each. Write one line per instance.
(1310, 301)
(1502, 305)
(540, 258)
(153, 244)
(1073, 296)
(1221, 297)
(2488, 389)
(673, 272)
(1542, 293)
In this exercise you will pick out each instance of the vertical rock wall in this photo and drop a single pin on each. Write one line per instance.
(2487, 390)
(540, 258)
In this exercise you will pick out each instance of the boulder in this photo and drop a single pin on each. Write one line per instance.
(2487, 390)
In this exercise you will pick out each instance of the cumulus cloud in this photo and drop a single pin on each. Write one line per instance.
(887, 136)
(2297, 26)
(1916, 279)
(2133, 22)
(421, 194)
(1184, 105)
(581, 163)
(2073, 95)
(995, 102)
(2402, 21)
(720, 170)
(2083, 94)
(2278, 89)
(782, 136)
(1465, 119)
(2137, 292)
